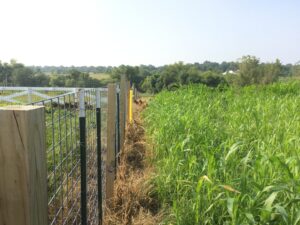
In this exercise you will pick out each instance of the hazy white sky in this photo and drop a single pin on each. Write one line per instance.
(114, 32)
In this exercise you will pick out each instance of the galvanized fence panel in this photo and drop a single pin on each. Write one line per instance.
(63, 158)
(76, 140)
(68, 167)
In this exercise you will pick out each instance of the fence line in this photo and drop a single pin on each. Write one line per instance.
(81, 126)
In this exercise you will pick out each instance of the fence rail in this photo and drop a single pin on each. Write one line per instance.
(77, 126)
(23, 95)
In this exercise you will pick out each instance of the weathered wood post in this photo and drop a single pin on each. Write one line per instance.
(130, 106)
(123, 96)
(128, 100)
(111, 141)
(23, 171)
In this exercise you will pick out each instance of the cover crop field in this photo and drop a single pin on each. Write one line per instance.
(227, 156)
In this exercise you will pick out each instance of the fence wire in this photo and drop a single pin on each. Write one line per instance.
(64, 149)
(91, 152)
(63, 157)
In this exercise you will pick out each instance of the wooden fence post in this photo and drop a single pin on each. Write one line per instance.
(111, 141)
(130, 105)
(128, 98)
(123, 96)
(23, 171)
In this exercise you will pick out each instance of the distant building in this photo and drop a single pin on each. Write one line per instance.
(230, 72)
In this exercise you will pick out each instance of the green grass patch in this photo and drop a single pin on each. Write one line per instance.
(100, 76)
(227, 156)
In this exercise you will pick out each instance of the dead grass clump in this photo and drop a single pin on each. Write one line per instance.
(133, 201)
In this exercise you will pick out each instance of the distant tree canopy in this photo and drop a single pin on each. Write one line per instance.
(247, 71)
(74, 78)
(16, 74)
(251, 71)
(148, 78)
(178, 74)
(296, 70)
(66, 69)
(132, 73)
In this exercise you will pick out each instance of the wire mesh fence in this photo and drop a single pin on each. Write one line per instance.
(77, 125)
(63, 159)
(64, 156)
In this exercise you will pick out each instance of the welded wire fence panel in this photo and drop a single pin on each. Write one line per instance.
(64, 156)
(66, 194)
(91, 156)
(63, 159)
(71, 166)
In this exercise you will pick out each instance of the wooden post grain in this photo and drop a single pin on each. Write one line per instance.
(128, 99)
(23, 171)
(111, 141)
(123, 96)
(130, 105)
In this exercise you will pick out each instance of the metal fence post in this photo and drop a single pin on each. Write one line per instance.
(99, 154)
(82, 134)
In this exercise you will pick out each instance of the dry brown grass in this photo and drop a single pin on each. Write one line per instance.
(134, 202)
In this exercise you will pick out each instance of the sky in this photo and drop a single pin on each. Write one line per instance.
(157, 32)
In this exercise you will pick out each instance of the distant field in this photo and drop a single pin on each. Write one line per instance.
(3, 104)
(100, 76)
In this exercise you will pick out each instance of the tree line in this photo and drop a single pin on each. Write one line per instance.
(246, 71)
(17, 74)
(65, 69)
(148, 78)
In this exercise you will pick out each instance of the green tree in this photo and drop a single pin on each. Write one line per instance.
(5, 74)
(194, 75)
(74, 74)
(271, 72)
(152, 84)
(296, 70)
(131, 72)
(70, 82)
(212, 79)
(249, 72)
(22, 76)
(41, 80)
(57, 81)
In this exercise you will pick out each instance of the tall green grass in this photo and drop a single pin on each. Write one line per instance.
(227, 156)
